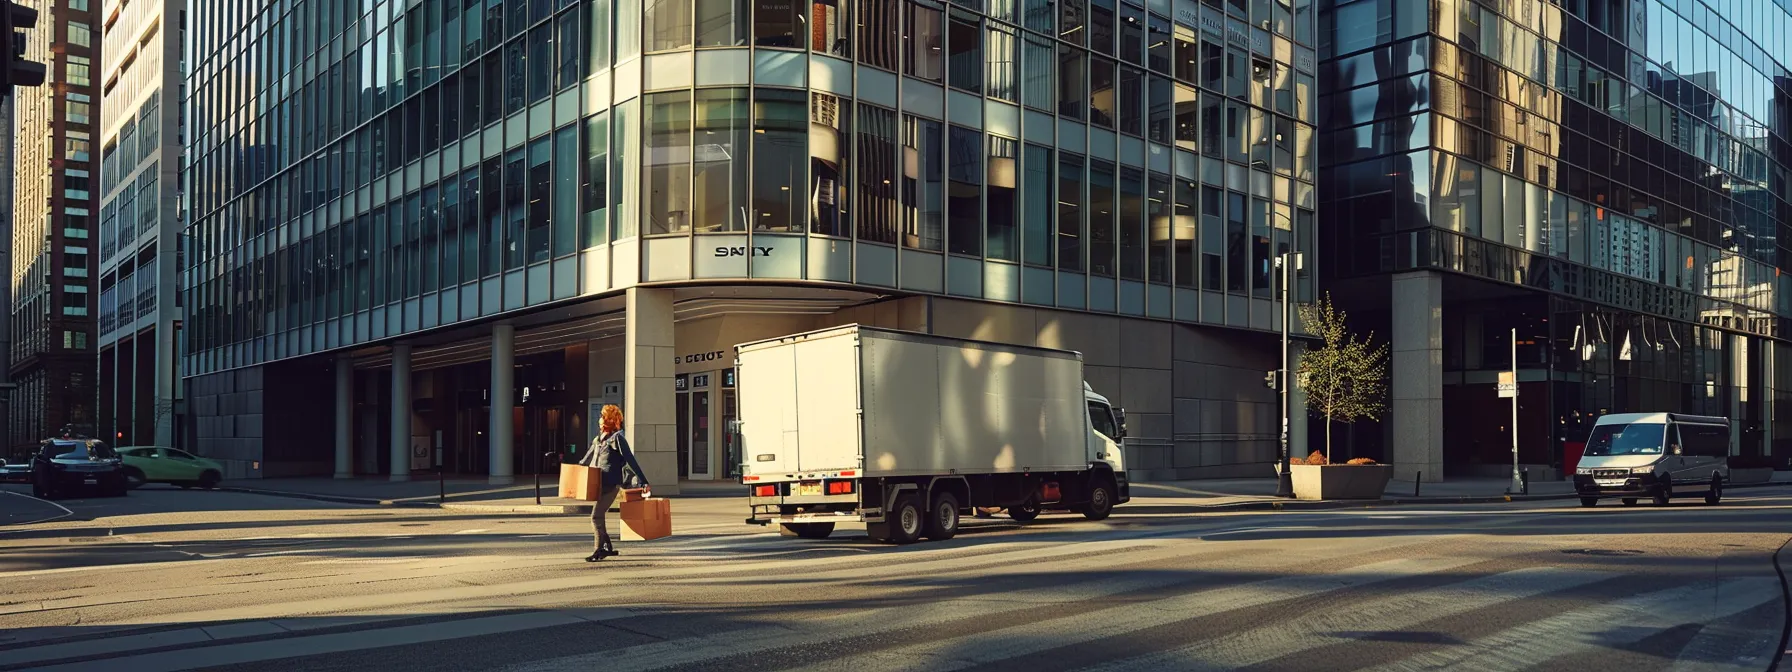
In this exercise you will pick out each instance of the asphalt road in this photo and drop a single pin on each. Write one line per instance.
(167, 579)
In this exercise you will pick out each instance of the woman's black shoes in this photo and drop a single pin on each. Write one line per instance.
(595, 556)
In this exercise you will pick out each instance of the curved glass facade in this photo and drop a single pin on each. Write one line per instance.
(361, 170)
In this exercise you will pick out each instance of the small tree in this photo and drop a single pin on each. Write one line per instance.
(1345, 378)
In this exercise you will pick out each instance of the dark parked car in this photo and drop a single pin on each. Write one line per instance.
(63, 466)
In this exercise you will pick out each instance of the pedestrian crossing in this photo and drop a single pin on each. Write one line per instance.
(1161, 597)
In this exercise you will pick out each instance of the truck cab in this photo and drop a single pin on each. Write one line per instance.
(1107, 436)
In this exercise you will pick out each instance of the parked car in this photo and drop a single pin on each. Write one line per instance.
(154, 464)
(67, 465)
(15, 472)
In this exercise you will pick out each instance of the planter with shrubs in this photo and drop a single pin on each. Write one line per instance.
(1361, 478)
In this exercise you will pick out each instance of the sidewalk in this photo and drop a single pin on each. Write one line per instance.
(1245, 494)
(1259, 493)
(456, 493)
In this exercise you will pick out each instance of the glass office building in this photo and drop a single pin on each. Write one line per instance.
(1606, 177)
(139, 225)
(430, 209)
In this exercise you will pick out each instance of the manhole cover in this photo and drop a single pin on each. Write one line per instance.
(1602, 551)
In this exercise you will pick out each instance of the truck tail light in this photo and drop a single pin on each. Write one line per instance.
(839, 487)
(765, 491)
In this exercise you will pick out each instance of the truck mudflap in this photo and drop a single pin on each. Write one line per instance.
(1125, 489)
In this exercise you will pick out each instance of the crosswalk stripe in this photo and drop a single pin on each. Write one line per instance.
(275, 649)
(1597, 627)
(1313, 630)
(1085, 626)
(891, 619)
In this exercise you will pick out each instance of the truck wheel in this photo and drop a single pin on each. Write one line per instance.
(1717, 491)
(1024, 513)
(1628, 501)
(1664, 492)
(1101, 501)
(806, 530)
(942, 521)
(1589, 501)
(907, 520)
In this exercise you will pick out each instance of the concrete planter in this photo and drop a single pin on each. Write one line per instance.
(1751, 475)
(1341, 481)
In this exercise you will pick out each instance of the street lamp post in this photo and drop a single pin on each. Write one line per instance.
(1287, 262)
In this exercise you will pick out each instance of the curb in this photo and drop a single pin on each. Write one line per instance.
(1254, 505)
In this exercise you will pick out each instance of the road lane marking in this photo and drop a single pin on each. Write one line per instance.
(472, 531)
(1593, 628)
(155, 564)
(65, 512)
(1320, 628)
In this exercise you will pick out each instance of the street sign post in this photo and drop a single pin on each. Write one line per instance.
(1509, 389)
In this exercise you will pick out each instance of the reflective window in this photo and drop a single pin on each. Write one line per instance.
(779, 23)
(833, 27)
(1188, 126)
(880, 45)
(429, 270)
(514, 78)
(923, 179)
(964, 170)
(1237, 254)
(1101, 26)
(1037, 69)
(1073, 93)
(926, 37)
(965, 63)
(721, 23)
(450, 214)
(1132, 224)
(1102, 210)
(1103, 102)
(1070, 212)
(1158, 46)
(594, 226)
(1072, 14)
(666, 166)
(877, 146)
(597, 60)
(570, 50)
(1038, 15)
(1159, 110)
(830, 121)
(1002, 81)
(1132, 34)
(541, 176)
(516, 213)
(541, 66)
(492, 214)
(469, 226)
(566, 191)
(1213, 66)
(1003, 174)
(780, 154)
(723, 132)
(1037, 235)
(1132, 101)
(1165, 228)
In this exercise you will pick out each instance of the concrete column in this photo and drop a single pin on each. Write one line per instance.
(500, 448)
(647, 394)
(345, 416)
(401, 412)
(1417, 399)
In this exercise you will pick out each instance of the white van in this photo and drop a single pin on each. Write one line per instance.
(1654, 455)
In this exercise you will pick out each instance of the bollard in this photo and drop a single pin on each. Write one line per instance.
(1524, 481)
(1416, 477)
(441, 485)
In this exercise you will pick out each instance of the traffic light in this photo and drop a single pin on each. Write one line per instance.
(19, 72)
(1273, 379)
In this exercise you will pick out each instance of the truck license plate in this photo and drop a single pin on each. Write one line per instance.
(1607, 483)
(93, 481)
(806, 488)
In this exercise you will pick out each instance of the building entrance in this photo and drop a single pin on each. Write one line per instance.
(692, 408)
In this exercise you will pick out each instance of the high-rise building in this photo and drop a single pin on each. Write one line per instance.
(470, 223)
(1607, 178)
(54, 186)
(139, 224)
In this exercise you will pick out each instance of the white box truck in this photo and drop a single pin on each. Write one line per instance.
(905, 432)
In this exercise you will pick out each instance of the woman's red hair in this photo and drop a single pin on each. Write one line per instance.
(612, 418)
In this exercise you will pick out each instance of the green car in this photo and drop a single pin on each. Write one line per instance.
(150, 464)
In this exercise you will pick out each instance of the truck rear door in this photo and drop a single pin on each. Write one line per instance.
(827, 387)
(767, 382)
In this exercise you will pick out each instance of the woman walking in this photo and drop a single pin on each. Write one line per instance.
(610, 454)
